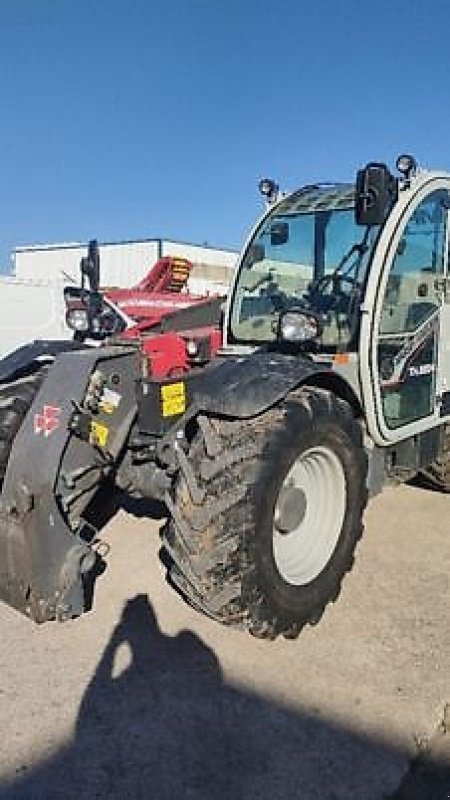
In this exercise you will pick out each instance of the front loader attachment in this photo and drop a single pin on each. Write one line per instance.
(67, 445)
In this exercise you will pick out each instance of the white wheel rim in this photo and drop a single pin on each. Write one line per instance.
(315, 494)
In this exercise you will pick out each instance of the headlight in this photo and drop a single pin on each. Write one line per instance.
(77, 319)
(198, 350)
(298, 326)
(192, 348)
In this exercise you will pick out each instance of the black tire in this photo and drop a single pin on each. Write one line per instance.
(15, 401)
(437, 474)
(219, 538)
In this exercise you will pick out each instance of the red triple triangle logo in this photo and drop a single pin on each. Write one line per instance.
(48, 421)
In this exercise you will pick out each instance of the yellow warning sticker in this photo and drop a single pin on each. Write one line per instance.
(99, 434)
(173, 397)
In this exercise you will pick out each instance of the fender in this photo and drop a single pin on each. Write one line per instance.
(21, 360)
(246, 386)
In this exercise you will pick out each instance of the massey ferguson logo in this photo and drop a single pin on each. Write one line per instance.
(48, 421)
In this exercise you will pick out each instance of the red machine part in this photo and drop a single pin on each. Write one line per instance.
(157, 298)
(171, 354)
(151, 307)
(159, 293)
(175, 332)
(169, 274)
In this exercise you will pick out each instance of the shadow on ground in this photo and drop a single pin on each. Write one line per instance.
(158, 720)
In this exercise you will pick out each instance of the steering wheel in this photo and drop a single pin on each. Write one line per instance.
(319, 285)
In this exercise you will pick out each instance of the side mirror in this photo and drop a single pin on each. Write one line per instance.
(376, 191)
(279, 233)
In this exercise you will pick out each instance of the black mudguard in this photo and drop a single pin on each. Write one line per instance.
(248, 385)
(21, 360)
(43, 560)
(235, 386)
(238, 387)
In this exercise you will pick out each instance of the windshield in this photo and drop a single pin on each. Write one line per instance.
(308, 254)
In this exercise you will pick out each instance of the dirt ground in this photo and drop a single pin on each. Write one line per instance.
(144, 698)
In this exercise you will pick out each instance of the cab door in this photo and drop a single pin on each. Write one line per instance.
(443, 380)
(410, 345)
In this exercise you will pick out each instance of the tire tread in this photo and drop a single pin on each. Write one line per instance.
(212, 545)
(15, 400)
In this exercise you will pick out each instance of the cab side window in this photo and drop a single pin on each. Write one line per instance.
(412, 293)
(407, 336)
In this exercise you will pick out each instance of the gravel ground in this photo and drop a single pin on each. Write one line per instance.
(144, 698)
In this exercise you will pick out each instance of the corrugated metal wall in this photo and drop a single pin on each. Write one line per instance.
(121, 264)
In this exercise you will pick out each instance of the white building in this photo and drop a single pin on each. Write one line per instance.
(31, 300)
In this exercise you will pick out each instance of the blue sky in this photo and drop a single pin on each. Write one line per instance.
(140, 118)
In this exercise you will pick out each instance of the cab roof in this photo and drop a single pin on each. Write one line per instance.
(318, 197)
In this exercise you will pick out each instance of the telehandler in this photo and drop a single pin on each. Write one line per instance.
(333, 380)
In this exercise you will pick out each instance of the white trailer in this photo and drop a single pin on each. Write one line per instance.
(30, 309)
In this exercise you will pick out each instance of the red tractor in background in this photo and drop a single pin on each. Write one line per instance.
(175, 329)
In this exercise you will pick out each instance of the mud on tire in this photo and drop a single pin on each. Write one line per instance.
(219, 541)
(438, 473)
(15, 400)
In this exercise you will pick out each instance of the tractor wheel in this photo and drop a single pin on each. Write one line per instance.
(438, 473)
(266, 513)
(15, 400)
